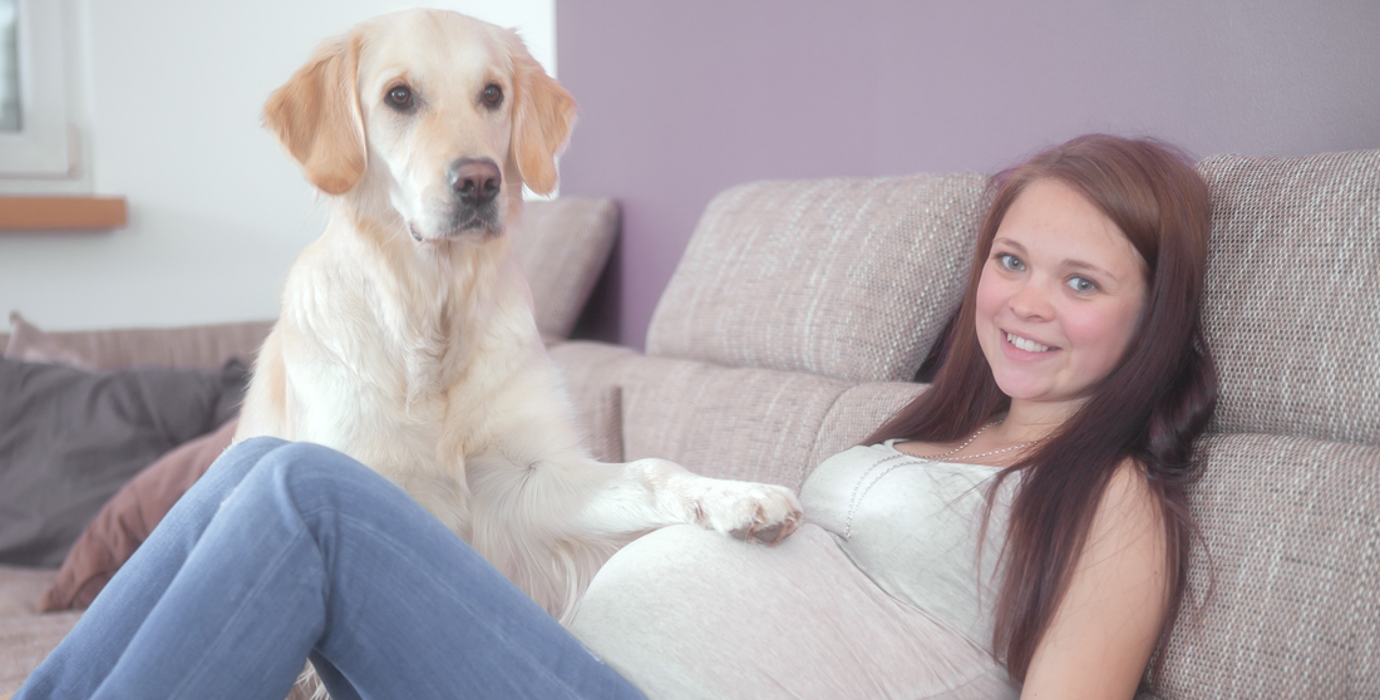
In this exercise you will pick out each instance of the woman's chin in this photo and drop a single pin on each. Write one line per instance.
(1033, 389)
(1042, 398)
(1023, 384)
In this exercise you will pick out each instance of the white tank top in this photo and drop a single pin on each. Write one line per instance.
(915, 527)
(901, 608)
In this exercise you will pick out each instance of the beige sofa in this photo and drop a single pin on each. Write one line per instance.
(801, 311)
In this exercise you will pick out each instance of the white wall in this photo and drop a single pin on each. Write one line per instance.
(167, 96)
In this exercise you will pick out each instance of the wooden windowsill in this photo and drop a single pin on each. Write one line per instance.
(62, 213)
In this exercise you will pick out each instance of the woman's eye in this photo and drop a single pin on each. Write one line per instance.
(492, 96)
(1082, 285)
(1010, 262)
(400, 97)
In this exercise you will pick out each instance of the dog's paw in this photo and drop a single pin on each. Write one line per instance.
(759, 513)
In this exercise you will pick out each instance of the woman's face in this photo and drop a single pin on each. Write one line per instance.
(1059, 296)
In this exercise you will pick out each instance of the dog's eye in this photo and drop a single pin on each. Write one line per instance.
(400, 97)
(492, 96)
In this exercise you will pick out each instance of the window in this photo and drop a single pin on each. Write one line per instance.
(9, 69)
(34, 133)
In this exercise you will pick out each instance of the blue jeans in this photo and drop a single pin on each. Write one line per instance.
(286, 551)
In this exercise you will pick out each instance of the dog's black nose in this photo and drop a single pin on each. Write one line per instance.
(475, 180)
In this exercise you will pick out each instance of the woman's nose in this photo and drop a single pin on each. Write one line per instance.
(1030, 300)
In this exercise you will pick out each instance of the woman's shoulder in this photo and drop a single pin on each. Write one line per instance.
(1111, 612)
(1129, 485)
(1130, 507)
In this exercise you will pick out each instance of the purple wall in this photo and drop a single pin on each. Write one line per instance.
(680, 100)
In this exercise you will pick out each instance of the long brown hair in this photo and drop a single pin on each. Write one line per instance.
(1150, 407)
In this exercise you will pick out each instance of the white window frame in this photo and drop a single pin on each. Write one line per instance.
(42, 149)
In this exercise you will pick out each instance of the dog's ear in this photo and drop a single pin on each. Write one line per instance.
(543, 115)
(316, 117)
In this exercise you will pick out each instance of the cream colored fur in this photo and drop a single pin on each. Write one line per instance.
(406, 336)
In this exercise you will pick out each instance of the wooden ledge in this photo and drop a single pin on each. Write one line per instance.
(68, 213)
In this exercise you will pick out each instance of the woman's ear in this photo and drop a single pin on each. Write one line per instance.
(316, 117)
(543, 115)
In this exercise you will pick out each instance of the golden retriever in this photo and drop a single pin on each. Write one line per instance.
(406, 338)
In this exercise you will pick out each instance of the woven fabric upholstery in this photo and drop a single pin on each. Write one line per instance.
(1292, 526)
(1291, 310)
(563, 245)
(858, 412)
(605, 426)
(847, 278)
(27, 637)
(598, 401)
(748, 424)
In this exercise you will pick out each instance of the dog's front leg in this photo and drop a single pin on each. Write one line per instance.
(649, 493)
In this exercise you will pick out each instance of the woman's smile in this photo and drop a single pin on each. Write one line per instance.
(1027, 346)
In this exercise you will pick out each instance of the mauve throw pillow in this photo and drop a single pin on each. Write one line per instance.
(69, 439)
(29, 344)
(126, 521)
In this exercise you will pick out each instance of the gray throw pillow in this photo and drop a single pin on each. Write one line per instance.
(70, 438)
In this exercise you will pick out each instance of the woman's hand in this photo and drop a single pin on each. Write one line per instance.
(1106, 626)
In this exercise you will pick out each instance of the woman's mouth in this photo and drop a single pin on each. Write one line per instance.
(1026, 344)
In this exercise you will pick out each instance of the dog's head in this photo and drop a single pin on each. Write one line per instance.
(443, 115)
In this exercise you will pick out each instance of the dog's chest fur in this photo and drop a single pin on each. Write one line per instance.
(405, 335)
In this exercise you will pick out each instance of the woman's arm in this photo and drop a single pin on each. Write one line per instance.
(1106, 626)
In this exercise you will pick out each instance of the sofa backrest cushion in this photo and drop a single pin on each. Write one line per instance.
(563, 245)
(1291, 307)
(846, 278)
(1294, 546)
(203, 347)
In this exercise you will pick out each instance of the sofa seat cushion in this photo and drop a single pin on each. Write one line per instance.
(1292, 527)
(846, 278)
(1290, 309)
(633, 406)
(596, 398)
(25, 636)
